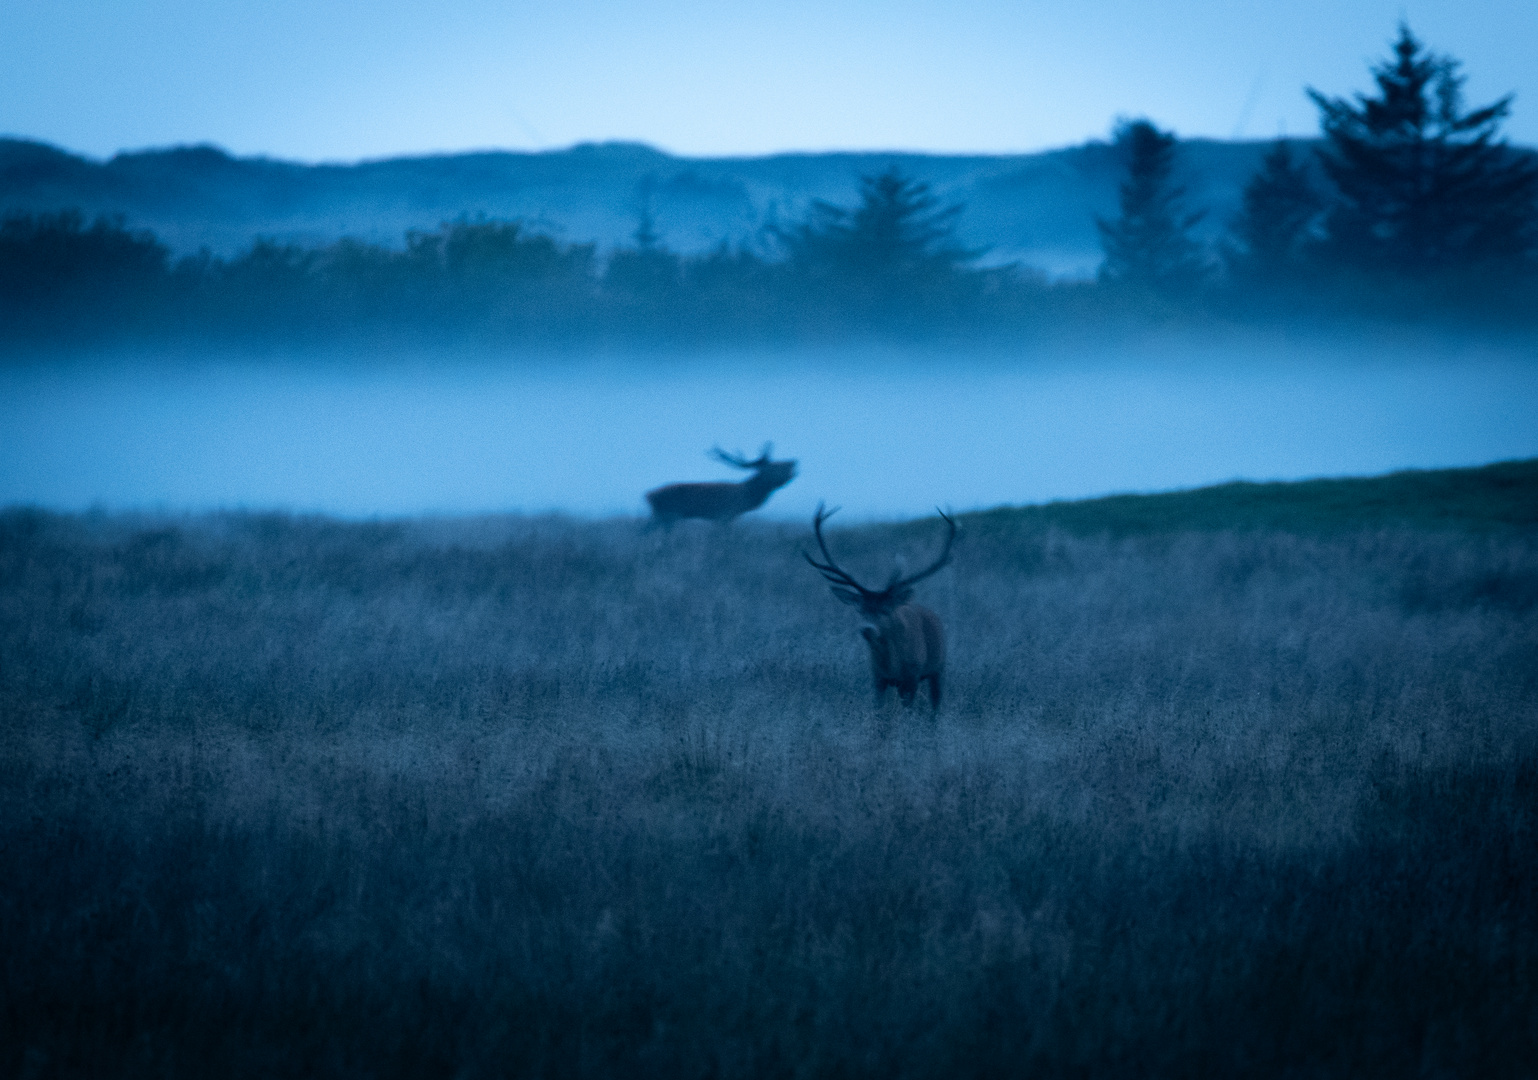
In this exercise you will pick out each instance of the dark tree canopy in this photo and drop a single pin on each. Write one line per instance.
(41, 254)
(1421, 183)
(648, 270)
(1271, 236)
(54, 268)
(899, 236)
(1150, 245)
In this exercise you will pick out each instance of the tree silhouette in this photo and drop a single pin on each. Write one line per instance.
(43, 255)
(1271, 236)
(648, 272)
(58, 274)
(1149, 245)
(1420, 183)
(899, 241)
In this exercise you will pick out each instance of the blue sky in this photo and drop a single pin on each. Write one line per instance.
(323, 80)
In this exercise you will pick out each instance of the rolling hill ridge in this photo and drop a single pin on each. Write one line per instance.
(1037, 209)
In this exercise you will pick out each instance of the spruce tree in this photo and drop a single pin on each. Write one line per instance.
(899, 240)
(1271, 238)
(1421, 184)
(1149, 245)
(649, 270)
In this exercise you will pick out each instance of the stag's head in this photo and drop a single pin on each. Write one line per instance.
(874, 603)
(771, 474)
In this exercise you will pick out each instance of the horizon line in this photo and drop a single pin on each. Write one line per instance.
(637, 144)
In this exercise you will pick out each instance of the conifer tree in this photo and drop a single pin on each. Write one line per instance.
(1150, 245)
(898, 239)
(649, 270)
(1421, 184)
(1271, 237)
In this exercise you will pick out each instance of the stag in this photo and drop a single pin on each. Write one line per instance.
(907, 641)
(722, 501)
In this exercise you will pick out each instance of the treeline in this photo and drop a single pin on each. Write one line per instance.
(887, 265)
(1411, 207)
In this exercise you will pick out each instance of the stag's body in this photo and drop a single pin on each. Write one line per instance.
(722, 501)
(907, 647)
(906, 640)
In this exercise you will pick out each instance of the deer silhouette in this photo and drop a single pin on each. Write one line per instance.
(907, 640)
(722, 501)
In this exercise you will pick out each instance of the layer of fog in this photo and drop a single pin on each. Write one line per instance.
(884, 432)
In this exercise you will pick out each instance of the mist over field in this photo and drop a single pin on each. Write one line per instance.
(886, 431)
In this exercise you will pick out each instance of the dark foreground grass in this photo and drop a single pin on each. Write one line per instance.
(288, 796)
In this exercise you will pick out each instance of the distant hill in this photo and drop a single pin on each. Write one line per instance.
(1035, 208)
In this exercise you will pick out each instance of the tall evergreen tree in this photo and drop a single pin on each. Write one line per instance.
(648, 271)
(1422, 184)
(899, 239)
(1150, 244)
(1271, 236)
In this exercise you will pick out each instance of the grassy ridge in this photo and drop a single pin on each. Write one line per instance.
(535, 797)
(1499, 496)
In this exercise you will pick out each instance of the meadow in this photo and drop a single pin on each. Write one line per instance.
(1241, 781)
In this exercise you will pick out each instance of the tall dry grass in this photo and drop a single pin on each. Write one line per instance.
(541, 797)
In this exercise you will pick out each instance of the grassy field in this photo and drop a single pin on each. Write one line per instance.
(1241, 781)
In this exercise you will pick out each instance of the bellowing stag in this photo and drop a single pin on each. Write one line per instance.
(907, 641)
(721, 501)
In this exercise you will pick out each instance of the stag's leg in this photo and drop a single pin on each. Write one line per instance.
(934, 691)
(907, 690)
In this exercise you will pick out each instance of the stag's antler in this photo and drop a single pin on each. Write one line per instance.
(740, 460)
(908, 582)
(897, 590)
(845, 587)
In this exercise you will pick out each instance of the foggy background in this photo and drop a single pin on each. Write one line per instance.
(887, 432)
(251, 331)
